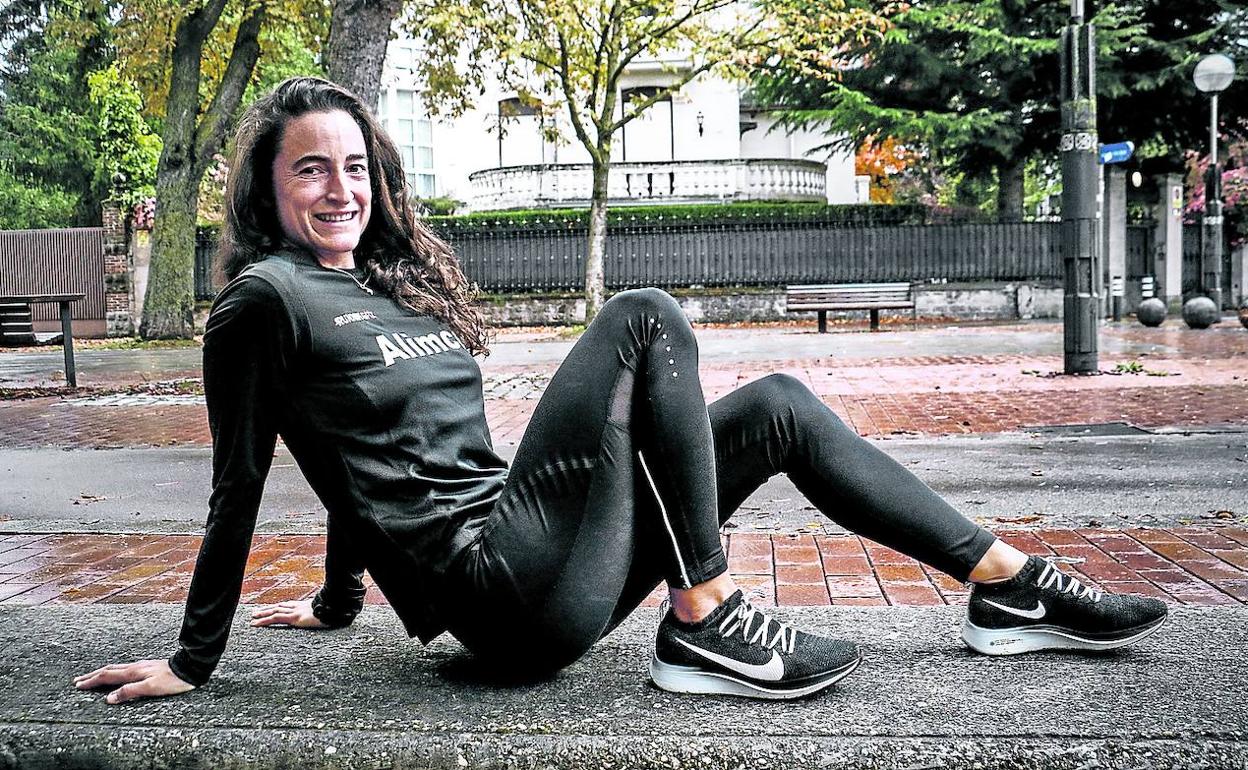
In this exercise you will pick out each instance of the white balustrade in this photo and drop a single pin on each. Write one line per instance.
(705, 181)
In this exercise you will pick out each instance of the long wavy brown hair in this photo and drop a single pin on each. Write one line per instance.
(404, 258)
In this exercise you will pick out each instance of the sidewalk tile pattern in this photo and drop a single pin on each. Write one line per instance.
(912, 395)
(1184, 565)
(42, 423)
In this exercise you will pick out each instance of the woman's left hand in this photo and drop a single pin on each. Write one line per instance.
(293, 614)
(142, 679)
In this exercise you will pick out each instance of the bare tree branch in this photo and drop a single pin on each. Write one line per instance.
(651, 36)
(665, 92)
(565, 80)
(603, 37)
(210, 133)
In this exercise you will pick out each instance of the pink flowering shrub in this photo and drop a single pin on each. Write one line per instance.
(144, 213)
(211, 197)
(1234, 142)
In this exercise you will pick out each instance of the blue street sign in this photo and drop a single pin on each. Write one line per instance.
(1117, 152)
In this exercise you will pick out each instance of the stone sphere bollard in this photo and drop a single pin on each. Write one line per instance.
(1151, 312)
(1243, 313)
(1200, 313)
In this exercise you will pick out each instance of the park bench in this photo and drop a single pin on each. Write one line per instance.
(17, 326)
(851, 296)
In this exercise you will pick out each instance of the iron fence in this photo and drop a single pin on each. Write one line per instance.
(746, 255)
(1140, 238)
(206, 281)
(537, 258)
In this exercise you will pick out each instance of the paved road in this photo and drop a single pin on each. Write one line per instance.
(1019, 480)
(368, 697)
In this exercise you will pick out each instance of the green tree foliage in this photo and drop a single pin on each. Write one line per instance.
(194, 65)
(566, 59)
(290, 44)
(27, 205)
(973, 81)
(1146, 94)
(127, 148)
(48, 125)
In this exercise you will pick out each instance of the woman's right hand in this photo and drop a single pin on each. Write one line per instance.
(141, 679)
(293, 614)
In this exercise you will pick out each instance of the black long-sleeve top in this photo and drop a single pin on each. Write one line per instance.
(382, 410)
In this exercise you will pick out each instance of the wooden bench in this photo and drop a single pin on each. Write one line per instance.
(17, 326)
(851, 296)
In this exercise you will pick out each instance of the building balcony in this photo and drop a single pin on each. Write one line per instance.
(568, 185)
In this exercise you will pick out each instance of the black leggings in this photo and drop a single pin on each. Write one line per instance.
(625, 475)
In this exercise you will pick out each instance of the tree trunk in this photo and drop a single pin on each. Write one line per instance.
(169, 304)
(1010, 175)
(359, 31)
(595, 283)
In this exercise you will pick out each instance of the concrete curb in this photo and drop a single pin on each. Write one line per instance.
(68, 747)
(366, 697)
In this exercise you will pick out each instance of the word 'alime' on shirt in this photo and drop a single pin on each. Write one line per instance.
(398, 345)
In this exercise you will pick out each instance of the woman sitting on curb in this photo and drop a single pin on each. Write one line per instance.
(348, 329)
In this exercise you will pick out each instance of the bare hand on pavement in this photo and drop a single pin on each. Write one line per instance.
(141, 679)
(293, 614)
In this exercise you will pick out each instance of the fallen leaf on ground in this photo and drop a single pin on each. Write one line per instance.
(1218, 515)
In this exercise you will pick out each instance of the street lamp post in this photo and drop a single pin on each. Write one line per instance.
(1079, 191)
(1213, 74)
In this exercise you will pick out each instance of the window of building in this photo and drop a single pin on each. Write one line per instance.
(515, 108)
(412, 131)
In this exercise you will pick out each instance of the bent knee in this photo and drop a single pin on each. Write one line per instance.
(647, 300)
(783, 388)
(781, 392)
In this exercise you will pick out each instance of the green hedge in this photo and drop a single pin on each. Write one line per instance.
(697, 215)
(685, 215)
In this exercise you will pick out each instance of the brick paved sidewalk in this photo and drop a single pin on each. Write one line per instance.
(878, 397)
(1190, 566)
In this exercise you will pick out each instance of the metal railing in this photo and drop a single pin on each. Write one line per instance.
(759, 255)
(686, 181)
(766, 253)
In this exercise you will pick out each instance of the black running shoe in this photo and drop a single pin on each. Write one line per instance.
(737, 650)
(1042, 608)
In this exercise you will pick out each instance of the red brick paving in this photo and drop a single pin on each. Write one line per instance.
(1196, 378)
(1205, 382)
(1184, 565)
(47, 422)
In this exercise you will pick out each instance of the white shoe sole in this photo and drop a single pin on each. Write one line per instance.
(688, 679)
(1012, 641)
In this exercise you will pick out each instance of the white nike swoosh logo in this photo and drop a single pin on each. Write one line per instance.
(1035, 614)
(771, 671)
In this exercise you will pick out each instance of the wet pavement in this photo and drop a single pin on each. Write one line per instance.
(1135, 476)
(1184, 565)
(542, 350)
(1038, 451)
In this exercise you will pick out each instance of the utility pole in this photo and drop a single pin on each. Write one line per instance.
(1213, 74)
(1211, 221)
(1079, 147)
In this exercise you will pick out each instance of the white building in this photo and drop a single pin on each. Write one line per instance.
(704, 144)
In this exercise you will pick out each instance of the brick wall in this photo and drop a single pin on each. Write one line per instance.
(118, 286)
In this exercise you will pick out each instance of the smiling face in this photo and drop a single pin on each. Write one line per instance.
(321, 185)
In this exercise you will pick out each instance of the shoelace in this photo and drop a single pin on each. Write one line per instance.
(744, 615)
(1066, 584)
